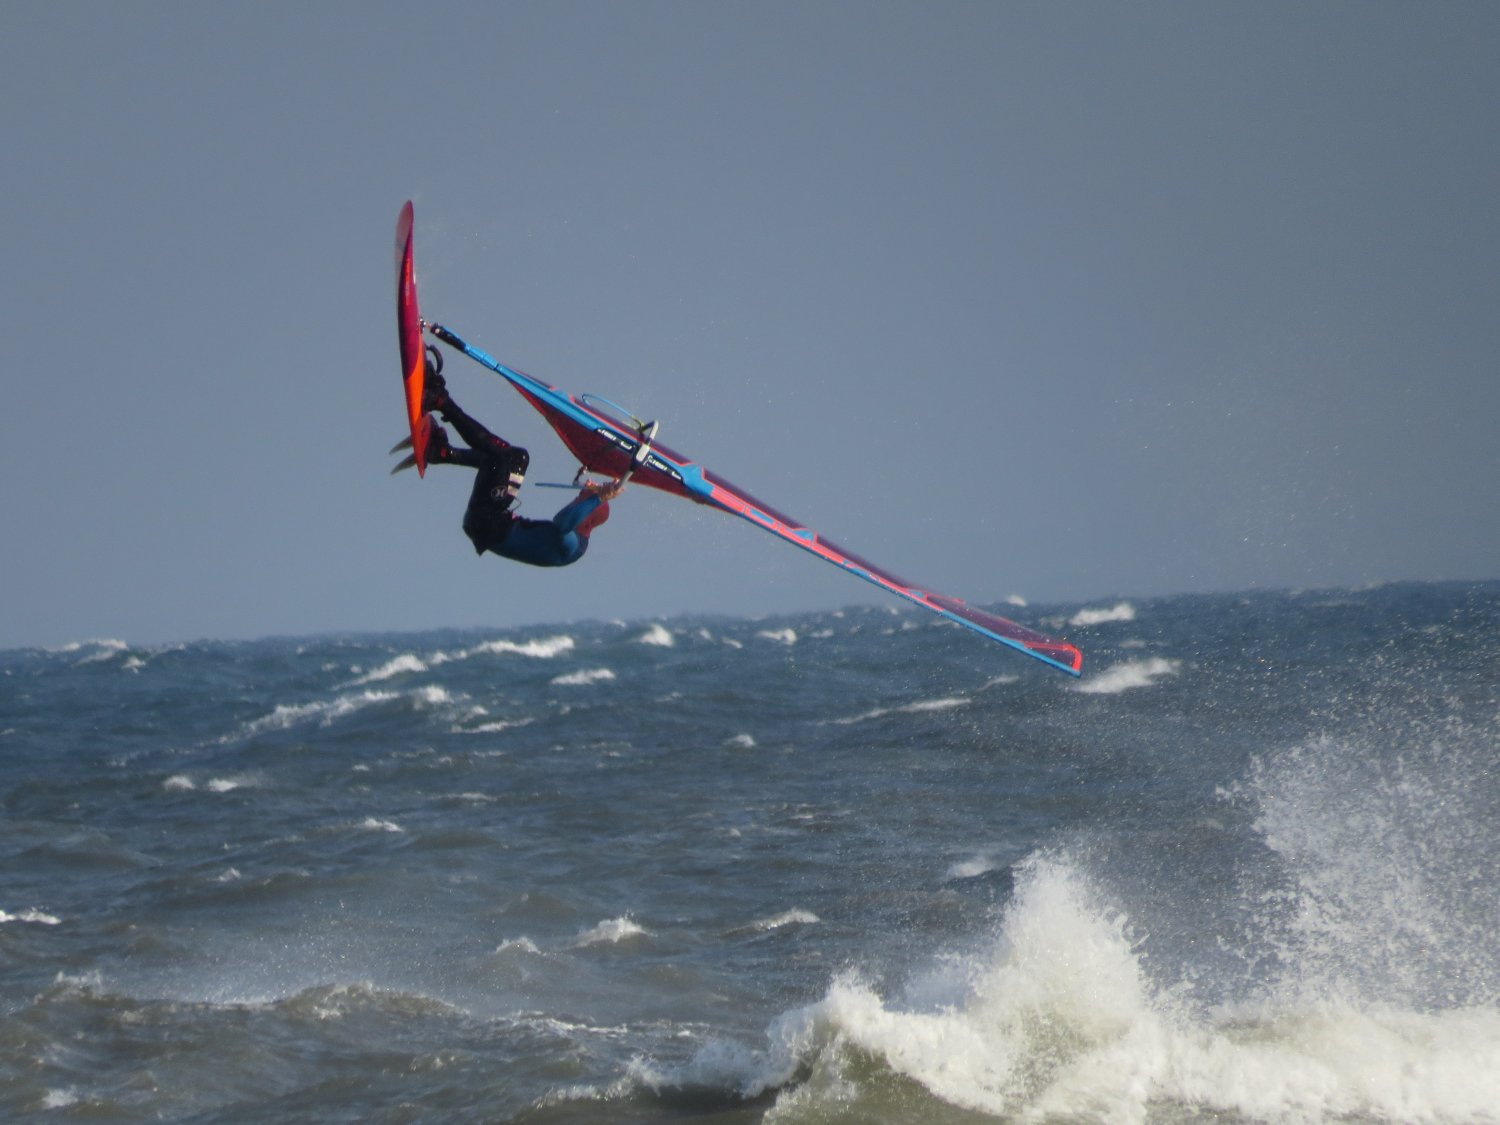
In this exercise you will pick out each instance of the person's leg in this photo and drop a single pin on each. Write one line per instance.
(437, 400)
(500, 464)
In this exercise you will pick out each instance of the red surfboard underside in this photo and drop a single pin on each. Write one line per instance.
(409, 327)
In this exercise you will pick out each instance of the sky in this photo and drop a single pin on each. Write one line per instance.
(1062, 301)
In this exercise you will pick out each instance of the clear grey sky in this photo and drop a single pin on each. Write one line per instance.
(1064, 300)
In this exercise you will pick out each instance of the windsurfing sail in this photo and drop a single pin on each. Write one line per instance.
(606, 444)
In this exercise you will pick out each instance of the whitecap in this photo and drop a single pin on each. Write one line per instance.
(936, 704)
(373, 824)
(793, 917)
(583, 677)
(79, 646)
(786, 637)
(399, 666)
(611, 931)
(970, 868)
(32, 915)
(329, 711)
(1120, 611)
(658, 635)
(741, 742)
(1055, 1018)
(178, 782)
(518, 945)
(920, 706)
(980, 1031)
(287, 715)
(104, 649)
(544, 648)
(1130, 674)
(495, 727)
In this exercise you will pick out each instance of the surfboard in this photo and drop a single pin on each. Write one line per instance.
(409, 330)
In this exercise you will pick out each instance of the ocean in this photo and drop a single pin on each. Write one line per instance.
(853, 866)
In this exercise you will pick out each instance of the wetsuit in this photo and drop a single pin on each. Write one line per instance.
(488, 521)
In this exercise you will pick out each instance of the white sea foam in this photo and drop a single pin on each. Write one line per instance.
(60, 1099)
(1056, 1018)
(1120, 611)
(182, 783)
(583, 677)
(95, 651)
(325, 711)
(374, 824)
(543, 648)
(496, 727)
(921, 705)
(402, 665)
(1130, 674)
(741, 742)
(970, 868)
(786, 637)
(611, 932)
(78, 646)
(518, 945)
(936, 704)
(658, 635)
(794, 917)
(32, 915)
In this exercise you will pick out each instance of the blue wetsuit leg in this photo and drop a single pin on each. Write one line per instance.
(554, 542)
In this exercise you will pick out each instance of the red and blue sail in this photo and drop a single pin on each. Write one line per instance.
(605, 445)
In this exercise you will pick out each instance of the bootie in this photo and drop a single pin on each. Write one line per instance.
(434, 392)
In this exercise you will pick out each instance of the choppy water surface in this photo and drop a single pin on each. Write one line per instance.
(844, 867)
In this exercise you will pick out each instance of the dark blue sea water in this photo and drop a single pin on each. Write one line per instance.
(841, 867)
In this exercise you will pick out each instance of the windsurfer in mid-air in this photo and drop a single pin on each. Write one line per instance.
(499, 470)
